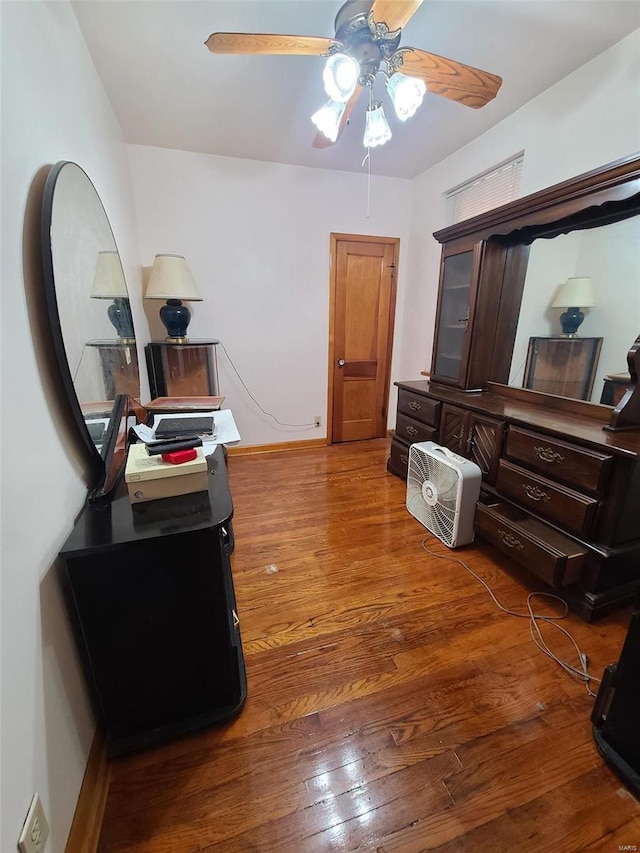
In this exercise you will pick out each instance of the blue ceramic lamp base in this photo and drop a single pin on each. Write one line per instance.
(119, 312)
(175, 317)
(570, 321)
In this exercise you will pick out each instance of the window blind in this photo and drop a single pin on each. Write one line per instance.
(492, 188)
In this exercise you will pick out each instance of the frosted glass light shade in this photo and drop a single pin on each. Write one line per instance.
(171, 279)
(406, 93)
(108, 279)
(327, 119)
(340, 76)
(376, 130)
(575, 292)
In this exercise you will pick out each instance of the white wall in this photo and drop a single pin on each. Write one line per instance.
(53, 108)
(590, 118)
(256, 237)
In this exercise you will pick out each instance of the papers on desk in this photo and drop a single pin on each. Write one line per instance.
(224, 428)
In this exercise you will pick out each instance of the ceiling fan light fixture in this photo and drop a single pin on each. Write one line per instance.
(327, 119)
(340, 76)
(376, 129)
(406, 93)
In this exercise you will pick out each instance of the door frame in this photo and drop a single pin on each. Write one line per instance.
(359, 238)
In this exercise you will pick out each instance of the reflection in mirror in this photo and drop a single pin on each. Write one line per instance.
(89, 304)
(590, 364)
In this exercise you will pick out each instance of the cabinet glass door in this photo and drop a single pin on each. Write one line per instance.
(455, 289)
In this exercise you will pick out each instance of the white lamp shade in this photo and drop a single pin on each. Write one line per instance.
(108, 279)
(171, 279)
(340, 76)
(327, 119)
(576, 292)
(406, 93)
(376, 129)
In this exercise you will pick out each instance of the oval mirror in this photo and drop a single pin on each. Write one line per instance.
(89, 311)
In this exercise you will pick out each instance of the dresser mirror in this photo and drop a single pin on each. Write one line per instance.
(495, 319)
(90, 315)
(590, 364)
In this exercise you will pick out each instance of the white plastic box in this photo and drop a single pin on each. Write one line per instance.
(149, 478)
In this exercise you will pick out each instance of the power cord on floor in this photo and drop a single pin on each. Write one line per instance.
(264, 411)
(580, 672)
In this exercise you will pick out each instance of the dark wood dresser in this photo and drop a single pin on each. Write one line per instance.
(560, 495)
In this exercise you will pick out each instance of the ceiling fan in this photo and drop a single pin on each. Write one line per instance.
(367, 42)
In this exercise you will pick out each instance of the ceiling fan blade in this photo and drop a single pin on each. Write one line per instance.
(463, 83)
(322, 141)
(394, 13)
(262, 43)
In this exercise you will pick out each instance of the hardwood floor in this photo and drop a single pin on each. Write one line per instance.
(391, 707)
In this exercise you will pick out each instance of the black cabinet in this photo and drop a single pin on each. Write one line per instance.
(617, 709)
(151, 593)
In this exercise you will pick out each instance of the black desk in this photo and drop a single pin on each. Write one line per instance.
(151, 593)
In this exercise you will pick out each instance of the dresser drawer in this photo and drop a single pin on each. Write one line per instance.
(410, 430)
(574, 465)
(398, 459)
(568, 509)
(419, 408)
(554, 558)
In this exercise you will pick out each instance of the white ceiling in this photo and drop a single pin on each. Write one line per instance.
(169, 91)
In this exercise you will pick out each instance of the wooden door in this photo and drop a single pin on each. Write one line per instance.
(363, 298)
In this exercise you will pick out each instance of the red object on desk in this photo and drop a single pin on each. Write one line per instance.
(179, 456)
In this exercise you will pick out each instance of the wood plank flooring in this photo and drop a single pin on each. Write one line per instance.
(391, 707)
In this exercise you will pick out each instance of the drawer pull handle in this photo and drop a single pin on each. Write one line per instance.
(510, 540)
(411, 430)
(458, 435)
(548, 455)
(236, 621)
(535, 494)
(404, 458)
(415, 406)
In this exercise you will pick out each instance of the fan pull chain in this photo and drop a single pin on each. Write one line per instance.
(367, 160)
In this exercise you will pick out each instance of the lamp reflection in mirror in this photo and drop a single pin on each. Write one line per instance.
(171, 279)
(109, 283)
(406, 93)
(574, 294)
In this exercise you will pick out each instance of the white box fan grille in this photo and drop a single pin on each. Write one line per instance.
(442, 491)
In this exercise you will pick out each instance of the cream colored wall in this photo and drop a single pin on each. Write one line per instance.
(257, 239)
(589, 118)
(53, 108)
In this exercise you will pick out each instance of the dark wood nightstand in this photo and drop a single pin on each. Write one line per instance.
(562, 365)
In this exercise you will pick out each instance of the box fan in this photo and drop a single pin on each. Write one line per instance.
(442, 491)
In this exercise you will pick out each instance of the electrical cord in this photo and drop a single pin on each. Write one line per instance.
(582, 671)
(516, 372)
(77, 370)
(264, 412)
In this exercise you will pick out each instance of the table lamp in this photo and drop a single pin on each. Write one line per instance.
(574, 294)
(171, 279)
(109, 283)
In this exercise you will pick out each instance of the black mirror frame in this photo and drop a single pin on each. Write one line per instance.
(105, 467)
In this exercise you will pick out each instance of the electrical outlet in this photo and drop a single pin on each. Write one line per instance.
(317, 421)
(35, 830)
